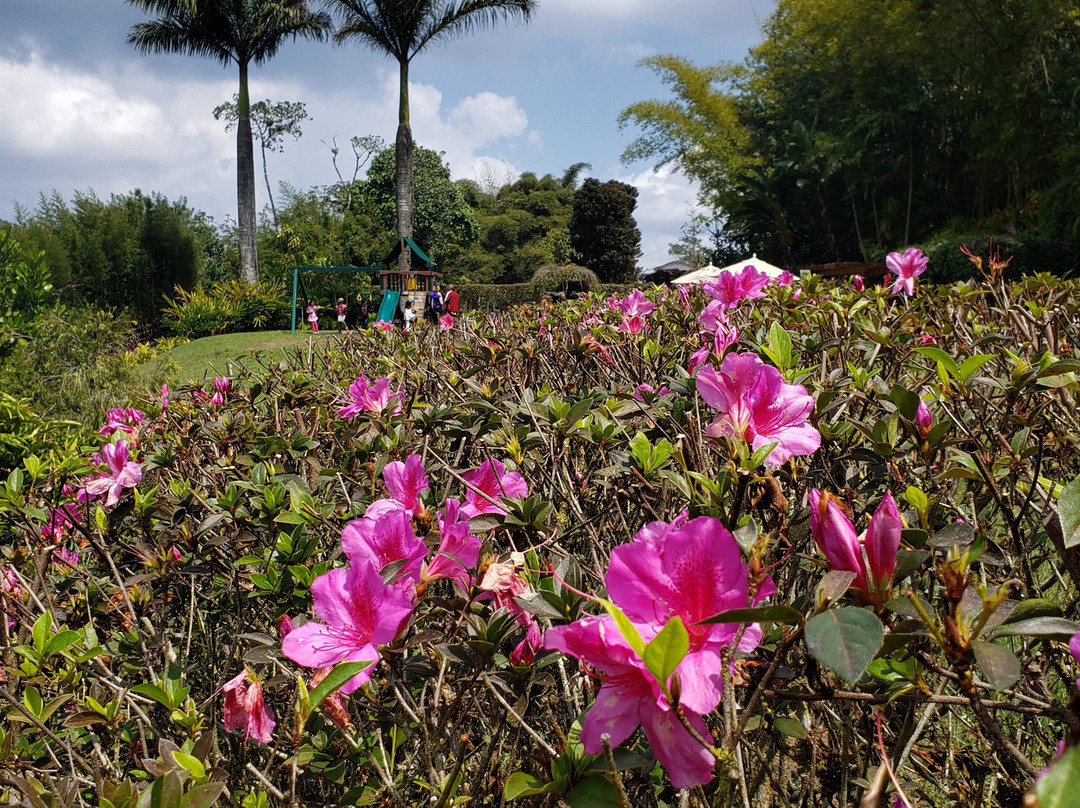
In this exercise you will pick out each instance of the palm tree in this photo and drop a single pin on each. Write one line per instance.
(400, 29)
(231, 31)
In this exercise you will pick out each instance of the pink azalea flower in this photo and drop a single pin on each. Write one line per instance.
(690, 569)
(405, 481)
(385, 540)
(836, 538)
(65, 558)
(907, 266)
(503, 583)
(524, 653)
(858, 282)
(648, 388)
(731, 288)
(459, 549)
(374, 398)
(217, 400)
(164, 396)
(384, 326)
(60, 521)
(359, 612)
(630, 697)
(923, 419)
(785, 278)
(758, 407)
(223, 384)
(684, 297)
(245, 709)
(926, 339)
(796, 294)
(123, 474)
(633, 325)
(123, 419)
(493, 480)
(446, 322)
(634, 305)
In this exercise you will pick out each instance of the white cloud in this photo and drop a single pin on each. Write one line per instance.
(665, 198)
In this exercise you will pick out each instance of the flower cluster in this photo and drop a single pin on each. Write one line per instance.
(635, 308)
(731, 288)
(688, 570)
(367, 603)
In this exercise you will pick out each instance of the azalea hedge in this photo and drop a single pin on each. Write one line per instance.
(760, 543)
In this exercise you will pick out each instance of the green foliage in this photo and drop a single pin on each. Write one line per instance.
(76, 365)
(857, 127)
(444, 226)
(23, 432)
(125, 253)
(603, 230)
(25, 290)
(495, 296)
(228, 307)
(1030, 254)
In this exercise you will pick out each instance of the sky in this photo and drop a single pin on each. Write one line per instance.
(85, 112)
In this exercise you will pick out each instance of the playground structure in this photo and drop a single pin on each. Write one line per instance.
(398, 286)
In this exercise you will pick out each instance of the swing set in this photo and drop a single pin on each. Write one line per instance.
(397, 285)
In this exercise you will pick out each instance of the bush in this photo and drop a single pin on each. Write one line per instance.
(76, 364)
(23, 432)
(228, 307)
(1030, 255)
(495, 296)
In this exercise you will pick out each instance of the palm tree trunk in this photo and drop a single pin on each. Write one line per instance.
(245, 184)
(403, 168)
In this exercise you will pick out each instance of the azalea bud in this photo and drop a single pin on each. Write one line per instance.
(285, 625)
(675, 689)
(923, 419)
(858, 283)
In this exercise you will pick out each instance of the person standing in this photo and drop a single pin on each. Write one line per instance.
(433, 305)
(341, 310)
(410, 315)
(453, 302)
(365, 313)
(313, 316)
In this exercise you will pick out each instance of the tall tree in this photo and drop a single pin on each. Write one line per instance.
(603, 230)
(400, 29)
(239, 32)
(270, 122)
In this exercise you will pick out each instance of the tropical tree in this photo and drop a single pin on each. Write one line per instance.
(603, 230)
(270, 122)
(400, 30)
(240, 32)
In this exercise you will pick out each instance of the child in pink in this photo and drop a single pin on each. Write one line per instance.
(313, 316)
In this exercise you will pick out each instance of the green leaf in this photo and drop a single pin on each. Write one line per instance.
(833, 585)
(342, 672)
(203, 796)
(972, 364)
(594, 791)
(1043, 628)
(845, 640)
(759, 455)
(40, 631)
(191, 763)
(1069, 513)
(166, 791)
(520, 784)
(61, 642)
(916, 498)
(942, 358)
(666, 650)
(153, 692)
(757, 614)
(905, 400)
(1033, 607)
(791, 727)
(626, 628)
(1059, 786)
(998, 663)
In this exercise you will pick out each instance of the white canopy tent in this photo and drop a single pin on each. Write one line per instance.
(711, 273)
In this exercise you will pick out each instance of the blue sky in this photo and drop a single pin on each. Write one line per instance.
(85, 111)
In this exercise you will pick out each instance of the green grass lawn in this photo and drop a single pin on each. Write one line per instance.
(210, 356)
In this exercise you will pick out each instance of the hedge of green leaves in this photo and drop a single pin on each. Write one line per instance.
(125, 611)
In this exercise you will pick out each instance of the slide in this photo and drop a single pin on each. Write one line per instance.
(388, 307)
